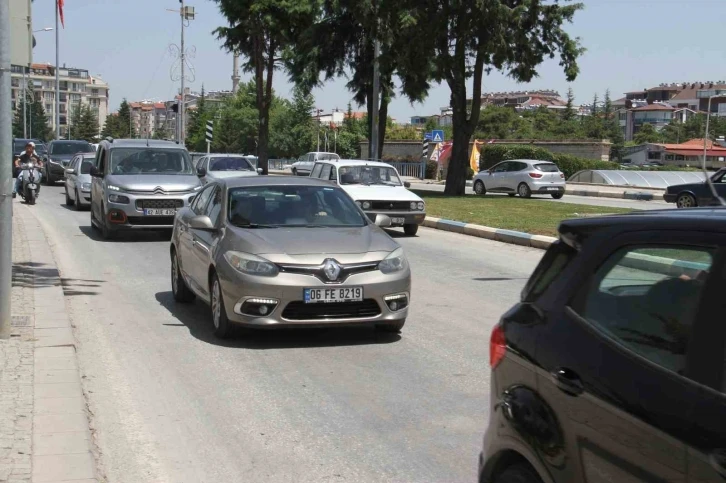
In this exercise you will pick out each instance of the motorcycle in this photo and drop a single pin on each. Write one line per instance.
(30, 178)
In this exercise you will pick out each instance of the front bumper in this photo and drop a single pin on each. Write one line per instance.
(56, 169)
(131, 215)
(670, 197)
(291, 311)
(409, 217)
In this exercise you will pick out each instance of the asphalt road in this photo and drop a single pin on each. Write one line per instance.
(580, 200)
(172, 404)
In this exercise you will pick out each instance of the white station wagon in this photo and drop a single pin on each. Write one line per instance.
(377, 189)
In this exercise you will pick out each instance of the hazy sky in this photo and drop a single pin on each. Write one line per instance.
(631, 44)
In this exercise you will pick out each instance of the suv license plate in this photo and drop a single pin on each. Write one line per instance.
(398, 221)
(160, 212)
(332, 295)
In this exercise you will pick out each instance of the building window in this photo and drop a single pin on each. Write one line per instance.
(669, 157)
(94, 92)
(48, 107)
(654, 155)
(15, 82)
(62, 120)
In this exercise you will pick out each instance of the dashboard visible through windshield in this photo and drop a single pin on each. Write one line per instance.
(150, 161)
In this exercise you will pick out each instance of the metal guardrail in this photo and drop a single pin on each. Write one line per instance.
(410, 170)
(279, 163)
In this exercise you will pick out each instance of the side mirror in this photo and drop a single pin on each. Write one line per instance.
(70, 171)
(406, 184)
(201, 222)
(95, 172)
(259, 170)
(383, 220)
(490, 171)
(201, 171)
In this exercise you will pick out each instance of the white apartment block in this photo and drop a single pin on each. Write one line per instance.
(76, 87)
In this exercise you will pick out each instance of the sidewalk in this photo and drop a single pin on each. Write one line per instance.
(44, 425)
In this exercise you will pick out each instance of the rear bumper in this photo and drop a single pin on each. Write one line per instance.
(547, 189)
(410, 218)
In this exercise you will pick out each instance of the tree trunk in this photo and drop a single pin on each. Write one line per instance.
(456, 174)
(382, 124)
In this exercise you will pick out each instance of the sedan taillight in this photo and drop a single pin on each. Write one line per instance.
(497, 346)
(535, 175)
(562, 175)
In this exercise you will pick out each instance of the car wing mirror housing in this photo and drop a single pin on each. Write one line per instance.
(406, 184)
(201, 171)
(202, 222)
(383, 220)
(95, 172)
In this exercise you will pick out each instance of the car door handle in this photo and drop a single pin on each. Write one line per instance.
(718, 461)
(568, 381)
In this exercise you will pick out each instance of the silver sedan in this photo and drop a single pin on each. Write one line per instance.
(78, 180)
(285, 252)
(523, 177)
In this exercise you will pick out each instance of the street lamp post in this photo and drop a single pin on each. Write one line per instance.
(28, 129)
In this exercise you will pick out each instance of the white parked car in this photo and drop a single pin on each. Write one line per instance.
(523, 177)
(218, 166)
(377, 189)
(304, 165)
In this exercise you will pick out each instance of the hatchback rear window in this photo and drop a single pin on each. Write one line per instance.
(547, 167)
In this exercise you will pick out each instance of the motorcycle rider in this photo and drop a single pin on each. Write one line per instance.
(28, 156)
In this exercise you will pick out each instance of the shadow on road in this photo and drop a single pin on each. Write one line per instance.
(196, 317)
(73, 207)
(34, 275)
(497, 279)
(127, 236)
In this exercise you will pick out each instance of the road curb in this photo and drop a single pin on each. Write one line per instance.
(62, 447)
(490, 233)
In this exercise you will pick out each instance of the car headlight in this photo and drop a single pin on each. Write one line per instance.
(85, 186)
(251, 264)
(395, 262)
(114, 198)
(421, 206)
(366, 205)
(113, 188)
(413, 205)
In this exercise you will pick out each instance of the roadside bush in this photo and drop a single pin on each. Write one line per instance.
(431, 167)
(568, 164)
(469, 173)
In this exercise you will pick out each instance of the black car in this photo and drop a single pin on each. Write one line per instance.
(612, 367)
(697, 194)
(19, 148)
(60, 153)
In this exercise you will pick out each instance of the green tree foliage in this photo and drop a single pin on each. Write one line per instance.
(465, 40)
(294, 130)
(38, 127)
(646, 134)
(262, 30)
(196, 139)
(118, 125)
(83, 123)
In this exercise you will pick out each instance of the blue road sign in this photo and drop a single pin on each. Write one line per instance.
(428, 136)
(437, 136)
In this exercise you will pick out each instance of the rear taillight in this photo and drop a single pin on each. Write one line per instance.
(497, 346)
(562, 175)
(535, 175)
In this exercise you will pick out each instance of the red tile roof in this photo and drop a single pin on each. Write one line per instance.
(655, 107)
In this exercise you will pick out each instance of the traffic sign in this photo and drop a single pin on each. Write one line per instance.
(428, 136)
(437, 136)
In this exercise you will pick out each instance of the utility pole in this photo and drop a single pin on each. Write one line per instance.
(373, 146)
(317, 118)
(56, 116)
(6, 207)
(182, 104)
(25, 106)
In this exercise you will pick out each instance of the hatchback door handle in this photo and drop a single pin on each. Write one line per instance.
(568, 381)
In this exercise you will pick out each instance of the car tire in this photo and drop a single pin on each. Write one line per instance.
(511, 195)
(392, 327)
(524, 191)
(47, 179)
(517, 474)
(77, 202)
(557, 196)
(69, 201)
(294, 171)
(220, 322)
(94, 226)
(410, 229)
(179, 287)
(106, 232)
(686, 200)
(479, 188)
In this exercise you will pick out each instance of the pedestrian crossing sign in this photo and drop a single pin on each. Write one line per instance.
(437, 136)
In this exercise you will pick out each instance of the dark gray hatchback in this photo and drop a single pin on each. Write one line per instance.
(612, 367)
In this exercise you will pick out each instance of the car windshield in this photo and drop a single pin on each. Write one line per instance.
(547, 167)
(230, 164)
(150, 161)
(292, 206)
(86, 166)
(327, 157)
(368, 175)
(71, 148)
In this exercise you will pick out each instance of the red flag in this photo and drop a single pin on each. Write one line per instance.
(60, 12)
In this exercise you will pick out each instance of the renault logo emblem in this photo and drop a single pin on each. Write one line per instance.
(331, 268)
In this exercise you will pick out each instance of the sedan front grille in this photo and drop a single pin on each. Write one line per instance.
(159, 204)
(391, 205)
(343, 310)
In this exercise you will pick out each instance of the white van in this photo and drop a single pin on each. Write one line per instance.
(304, 165)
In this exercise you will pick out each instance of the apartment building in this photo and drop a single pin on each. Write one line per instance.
(76, 86)
(522, 100)
(148, 117)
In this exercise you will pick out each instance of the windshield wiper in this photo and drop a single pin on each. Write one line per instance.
(253, 225)
(386, 183)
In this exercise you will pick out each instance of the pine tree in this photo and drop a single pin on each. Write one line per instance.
(123, 127)
(569, 113)
(594, 105)
(37, 122)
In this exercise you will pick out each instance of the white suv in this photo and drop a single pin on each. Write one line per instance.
(377, 189)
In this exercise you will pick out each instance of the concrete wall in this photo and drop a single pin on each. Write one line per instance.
(589, 149)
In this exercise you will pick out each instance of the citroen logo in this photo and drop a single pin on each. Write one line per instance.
(331, 268)
(159, 191)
